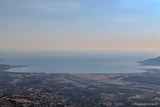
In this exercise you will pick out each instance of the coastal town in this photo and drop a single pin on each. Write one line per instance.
(79, 90)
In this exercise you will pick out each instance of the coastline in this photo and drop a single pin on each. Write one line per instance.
(66, 89)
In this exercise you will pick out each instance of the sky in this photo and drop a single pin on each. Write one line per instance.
(79, 24)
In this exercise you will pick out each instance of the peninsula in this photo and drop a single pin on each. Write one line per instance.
(151, 62)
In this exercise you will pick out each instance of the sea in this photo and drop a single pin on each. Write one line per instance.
(77, 61)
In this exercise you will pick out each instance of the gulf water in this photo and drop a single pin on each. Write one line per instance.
(82, 61)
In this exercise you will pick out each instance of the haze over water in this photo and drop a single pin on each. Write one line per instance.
(77, 61)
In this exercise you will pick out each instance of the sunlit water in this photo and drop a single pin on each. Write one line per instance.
(77, 61)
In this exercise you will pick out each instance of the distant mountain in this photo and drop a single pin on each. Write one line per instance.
(151, 62)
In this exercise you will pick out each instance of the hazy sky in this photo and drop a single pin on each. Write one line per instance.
(79, 24)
